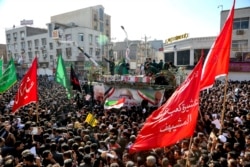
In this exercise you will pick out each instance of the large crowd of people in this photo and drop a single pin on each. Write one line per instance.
(53, 132)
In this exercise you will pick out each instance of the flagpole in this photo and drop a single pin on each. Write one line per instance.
(224, 104)
(37, 116)
(201, 116)
(189, 148)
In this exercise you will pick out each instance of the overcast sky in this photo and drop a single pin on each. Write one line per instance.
(155, 19)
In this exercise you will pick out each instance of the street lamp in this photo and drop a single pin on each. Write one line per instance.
(127, 50)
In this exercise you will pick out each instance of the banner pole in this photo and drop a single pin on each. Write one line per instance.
(224, 104)
(37, 116)
(189, 151)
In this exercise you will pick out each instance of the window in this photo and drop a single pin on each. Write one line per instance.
(16, 56)
(101, 27)
(9, 47)
(22, 34)
(22, 45)
(68, 37)
(90, 39)
(107, 33)
(197, 54)
(239, 45)
(15, 46)
(169, 57)
(44, 41)
(68, 52)
(81, 37)
(96, 40)
(90, 51)
(51, 46)
(36, 43)
(95, 17)
(8, 38)
(51, 58)
(183, 57)
(97, 51)
(29, 44)
(107, 22)
(15, 36)
(37, 53)
(30, 56)
(44, 53)
(101, 14)
(58, 52)
(241, 23)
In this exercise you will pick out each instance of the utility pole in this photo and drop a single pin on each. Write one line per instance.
(145, 43)
(128, 45)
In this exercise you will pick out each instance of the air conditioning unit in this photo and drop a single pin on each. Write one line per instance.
(239, 32)
(36, 47)
(41, 48)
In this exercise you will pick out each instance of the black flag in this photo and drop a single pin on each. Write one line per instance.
(74, 80)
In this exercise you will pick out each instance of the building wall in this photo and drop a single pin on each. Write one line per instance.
(82, 18)
(3, 53)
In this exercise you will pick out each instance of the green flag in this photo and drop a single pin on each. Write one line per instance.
(1, 67)
(61, 75)
(9, 77)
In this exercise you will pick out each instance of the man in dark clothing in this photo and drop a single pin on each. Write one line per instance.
(56, 155)
(160, 65)
(111, 65)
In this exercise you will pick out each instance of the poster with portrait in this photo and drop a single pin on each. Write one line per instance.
(133, 96)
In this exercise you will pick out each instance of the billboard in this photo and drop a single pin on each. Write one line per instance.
(133, 96)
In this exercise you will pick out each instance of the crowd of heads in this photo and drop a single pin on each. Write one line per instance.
(53, 132)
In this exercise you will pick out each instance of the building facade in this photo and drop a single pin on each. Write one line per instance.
(65, 34)
(185, 51)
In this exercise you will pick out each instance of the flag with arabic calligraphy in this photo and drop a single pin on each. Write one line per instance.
(174, 120)
(61, 76)
(74, 80)
(9, 77)
(27, 91)
(217, 61)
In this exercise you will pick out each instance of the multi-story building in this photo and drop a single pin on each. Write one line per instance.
(66, 32)
(185, 51)
(3, 53)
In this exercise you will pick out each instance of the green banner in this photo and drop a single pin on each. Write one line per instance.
(9, 77)
(61, 75)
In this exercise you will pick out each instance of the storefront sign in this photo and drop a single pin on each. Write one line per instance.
(239, 66)
(169, 40)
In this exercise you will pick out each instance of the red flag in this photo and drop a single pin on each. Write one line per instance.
(27, 91)
(217, 61)
(174, 120)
